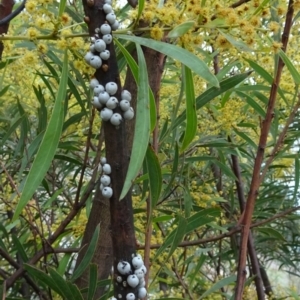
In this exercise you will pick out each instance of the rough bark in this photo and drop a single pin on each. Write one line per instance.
(121, 230)
(5, 10)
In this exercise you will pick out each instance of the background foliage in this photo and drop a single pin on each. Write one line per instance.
(203, 148)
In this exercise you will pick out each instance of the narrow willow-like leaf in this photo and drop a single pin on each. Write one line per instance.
(188, 203)
(179, 235)
(92, 281)
(181, 29)
(173, 172)
(218, 285)
(260, 71)
(197, 220)
(155, 177)
(253, 104)
(290, 65)
(30, 152)
(61, 283)
(237, 44)
(48, 145)
(76, 294)
(4, 90)
(20, 249)
(88, 255)
(272, 232)
(42, 277)
(135, 72)
(187, 58)
(142, 125)
(62, 6)
(141, 4)
(191, 114)
(246, 138)
(197, 268)
(12, 128)
(225, 169)
(265, 75)
(213, 92)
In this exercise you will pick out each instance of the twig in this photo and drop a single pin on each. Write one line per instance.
(8, 18)
(11, 280)
(234, 230)
(181, 280)
(255, 182)
(234, 5)
(13, 263)
(251, 248)
(280, 140)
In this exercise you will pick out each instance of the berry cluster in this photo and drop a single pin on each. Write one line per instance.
(105, 168)
(105, 101)
(132, 274)
(98, 52)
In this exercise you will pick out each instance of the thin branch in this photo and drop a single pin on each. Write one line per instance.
(280, 139)
(234, 230)
(61, 228)
(17, 11)
(13, 263)
(251, 248)
(234, 5)
(255, 182)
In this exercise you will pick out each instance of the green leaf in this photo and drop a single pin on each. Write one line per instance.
(211, 93)
(75, 292)
(191, 114)
(12, 128)
(30, 152)
(48, 145)
(253, 104)
(181, 29)
(220, 284)
(187, 58)
(188, 203)
(4, 90)
(21, 251)
(225, 169)
(246, 138)
(271, 232)
(155, 177)
(141, 4)
(142, 125)
(197, 220)
(237, 44)
(291, 66)
(197, 268)
(135, 72)
(42, 277)
(260, 71)
(179, 235)
(61, 283)
(173, 172)
(202, 218)
(88, 255)
(93, 278)
(61, 9)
